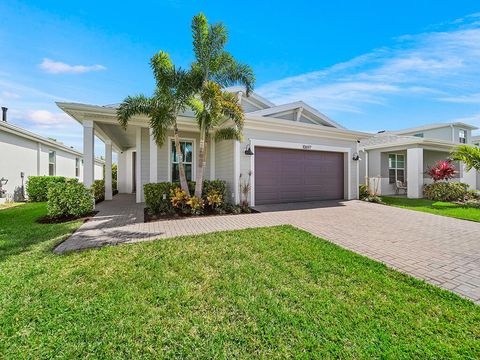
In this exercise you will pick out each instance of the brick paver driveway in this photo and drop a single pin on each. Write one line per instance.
(441, 250)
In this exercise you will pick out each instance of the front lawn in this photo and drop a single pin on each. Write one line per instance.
(435, 207)
(270, 292)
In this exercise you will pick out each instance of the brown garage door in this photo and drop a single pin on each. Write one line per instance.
(286, 175)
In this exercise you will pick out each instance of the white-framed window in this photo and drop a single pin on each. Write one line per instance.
(188, 156)
(77, 167)
(52, 163)
(396, 168)
(420, 135)
(462, 136)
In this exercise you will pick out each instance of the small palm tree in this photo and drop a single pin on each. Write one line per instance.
(215, 69)
(470, 155)
(174, 90)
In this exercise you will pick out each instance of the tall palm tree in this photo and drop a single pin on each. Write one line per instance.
(470, 155)
(174, 89)
(214, 69)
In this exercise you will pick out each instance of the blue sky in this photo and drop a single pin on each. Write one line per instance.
(370, 65)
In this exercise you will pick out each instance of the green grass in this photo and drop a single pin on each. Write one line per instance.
(271, 292)
(435, 207)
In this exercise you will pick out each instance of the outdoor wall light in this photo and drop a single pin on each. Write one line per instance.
(248, 150)
(356, 157)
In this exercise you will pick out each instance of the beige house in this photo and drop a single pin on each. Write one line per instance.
(293, 152)
(397, 159)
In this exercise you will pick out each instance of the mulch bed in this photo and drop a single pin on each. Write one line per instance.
(59, 220)
(147, 217)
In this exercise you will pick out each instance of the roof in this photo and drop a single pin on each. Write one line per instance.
(16, 130)
(433, 126)
(388, 140)
(317, 117)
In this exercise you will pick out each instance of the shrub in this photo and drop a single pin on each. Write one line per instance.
(446, 191)
(37, 186)
(218, 186)
(195, 204)
(363, 191)
(179, 199)
(472, 204)
(69, 199)
(98, 188)
(157, 197)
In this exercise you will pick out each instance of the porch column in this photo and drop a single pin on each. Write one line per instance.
(153, 159)
(415, 173)
(88, 153)
(138, 165)
(108, 170)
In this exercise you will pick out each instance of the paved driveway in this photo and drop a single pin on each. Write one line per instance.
(443, 251)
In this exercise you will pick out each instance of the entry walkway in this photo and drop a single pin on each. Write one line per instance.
(441, 250)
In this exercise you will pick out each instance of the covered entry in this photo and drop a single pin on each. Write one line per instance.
(291, 175)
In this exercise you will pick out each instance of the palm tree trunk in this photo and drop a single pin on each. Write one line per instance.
(181, 167)
(201, 164)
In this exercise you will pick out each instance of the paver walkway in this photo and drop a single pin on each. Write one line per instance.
(441, 250)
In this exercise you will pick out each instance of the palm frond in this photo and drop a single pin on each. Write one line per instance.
(230, 72)
(232, 110)
(133, 105)
(200, 32)
(228, 133)
(470, 155)
(161, 121)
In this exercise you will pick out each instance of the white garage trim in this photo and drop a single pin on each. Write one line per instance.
(297, 146)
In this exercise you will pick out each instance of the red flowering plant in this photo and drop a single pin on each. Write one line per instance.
(442, 170)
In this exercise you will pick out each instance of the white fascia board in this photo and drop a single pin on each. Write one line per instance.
(444, 145)
(294, 127)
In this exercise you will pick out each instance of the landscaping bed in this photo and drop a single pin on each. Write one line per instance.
(148, 217)
(259, 293)
(67, 218)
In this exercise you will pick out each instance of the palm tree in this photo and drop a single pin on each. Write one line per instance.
(470, 155)
(174, 89)
(215, 69)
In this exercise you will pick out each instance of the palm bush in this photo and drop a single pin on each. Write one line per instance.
(469, 155)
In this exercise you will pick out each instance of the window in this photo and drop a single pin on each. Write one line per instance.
(477, 144)
(396, 168)
(187, 150)
(77, 167)
(52, 163)
(462, 136)
(419, 135)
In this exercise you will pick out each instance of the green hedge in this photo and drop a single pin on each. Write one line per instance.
(69, 199)
(37, 186)
(157, 195)
(446, 191)
(98, 188)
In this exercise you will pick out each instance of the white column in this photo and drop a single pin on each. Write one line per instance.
(153, 159)
(415, 173)
(39, 159)
(88, 153)
(138, 165)
(108, 170)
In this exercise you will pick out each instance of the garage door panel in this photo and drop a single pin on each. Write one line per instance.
(287, 175)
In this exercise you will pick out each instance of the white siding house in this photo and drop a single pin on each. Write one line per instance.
(23, 152)
(316, 153)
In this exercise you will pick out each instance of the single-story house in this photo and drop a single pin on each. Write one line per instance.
(393, 157)
(293, 152)
(24, 154)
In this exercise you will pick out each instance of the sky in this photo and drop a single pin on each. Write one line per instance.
(369, 65)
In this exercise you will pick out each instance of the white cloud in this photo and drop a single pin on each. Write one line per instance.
(58, 67)
(8, 95)
(437, 66)
(48, 120)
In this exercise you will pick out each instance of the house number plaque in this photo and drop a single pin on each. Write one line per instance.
(307, 147)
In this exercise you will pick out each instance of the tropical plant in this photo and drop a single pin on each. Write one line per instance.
(446, 191)
(442, 170)
(215, 69)
(245, 188)
(174, 89)
(470, 155)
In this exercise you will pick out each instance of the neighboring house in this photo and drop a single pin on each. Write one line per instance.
(299, 154)
(23, 152)
(405, 155)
